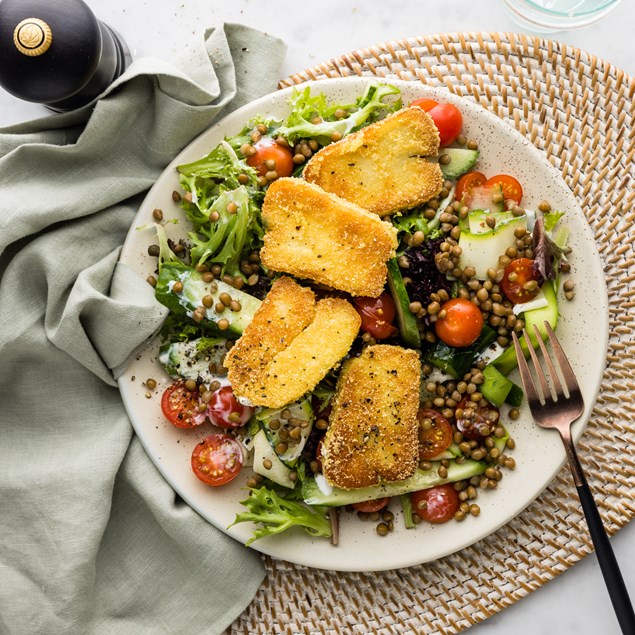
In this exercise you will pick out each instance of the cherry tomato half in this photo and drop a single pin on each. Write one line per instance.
(377, 315)
(467, 182)
(517, 274)
(435, 433)
(436, 504)
(512, 189)
(425, 104)
(270, 150)
(226, 411)
(461, 324)
(447, 118)
(368, 507)
(180, 406)
(476, 419)
(217, 459)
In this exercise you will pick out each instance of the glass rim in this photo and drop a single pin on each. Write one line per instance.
(573, 13)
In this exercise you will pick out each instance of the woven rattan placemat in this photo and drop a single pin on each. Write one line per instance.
(579, 111)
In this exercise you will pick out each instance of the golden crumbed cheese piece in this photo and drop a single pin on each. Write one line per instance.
(373, 431)
(290, 344)
(310, 356)
(286, 311)
(318, 236)
(382, 167)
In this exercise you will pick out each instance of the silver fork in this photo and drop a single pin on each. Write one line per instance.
(558, 409)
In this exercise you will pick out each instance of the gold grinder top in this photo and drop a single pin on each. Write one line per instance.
(32, 37)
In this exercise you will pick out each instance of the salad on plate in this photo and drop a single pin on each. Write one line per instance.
(341, 310)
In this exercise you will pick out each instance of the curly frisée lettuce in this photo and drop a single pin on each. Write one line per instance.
(245, 135)
(277, 514)
(225, 239)
(221, 166)
(223, 207)
(166, 255)
(307, 109)
(411, 223)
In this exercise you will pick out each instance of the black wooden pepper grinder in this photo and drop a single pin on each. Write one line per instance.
(57, 53)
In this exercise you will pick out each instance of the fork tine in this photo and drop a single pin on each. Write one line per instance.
(525, 375)
(552, 369)
(546, 392)
(563, 362)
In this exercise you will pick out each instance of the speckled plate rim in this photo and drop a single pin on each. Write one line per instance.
(366, 551)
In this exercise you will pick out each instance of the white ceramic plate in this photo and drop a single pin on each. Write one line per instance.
(583, 331)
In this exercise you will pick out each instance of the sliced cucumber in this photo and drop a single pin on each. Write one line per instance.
(192, 360)
(548, 313)
(500, 443)
(300, 416)
(496, 387)
(278, 472)
(482, 251)
(193, 292)
(406, 508)
(420, 480)
(477, 220)
(451, 453)
(462, 160)
(407, 322)
(506, 361)
(515, 396)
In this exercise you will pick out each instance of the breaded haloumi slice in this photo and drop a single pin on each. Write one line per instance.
(286, 311)
(318, 236)
(373, 431)
(310, 356)
(382, 167)
(290, 345)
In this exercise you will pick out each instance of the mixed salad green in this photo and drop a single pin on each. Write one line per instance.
(472, 266)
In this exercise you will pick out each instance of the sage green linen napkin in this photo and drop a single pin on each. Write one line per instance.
(92, 539)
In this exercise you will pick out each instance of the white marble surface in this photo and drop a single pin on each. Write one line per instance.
(576, 602)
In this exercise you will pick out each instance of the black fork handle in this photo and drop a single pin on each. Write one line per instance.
(608, 564)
